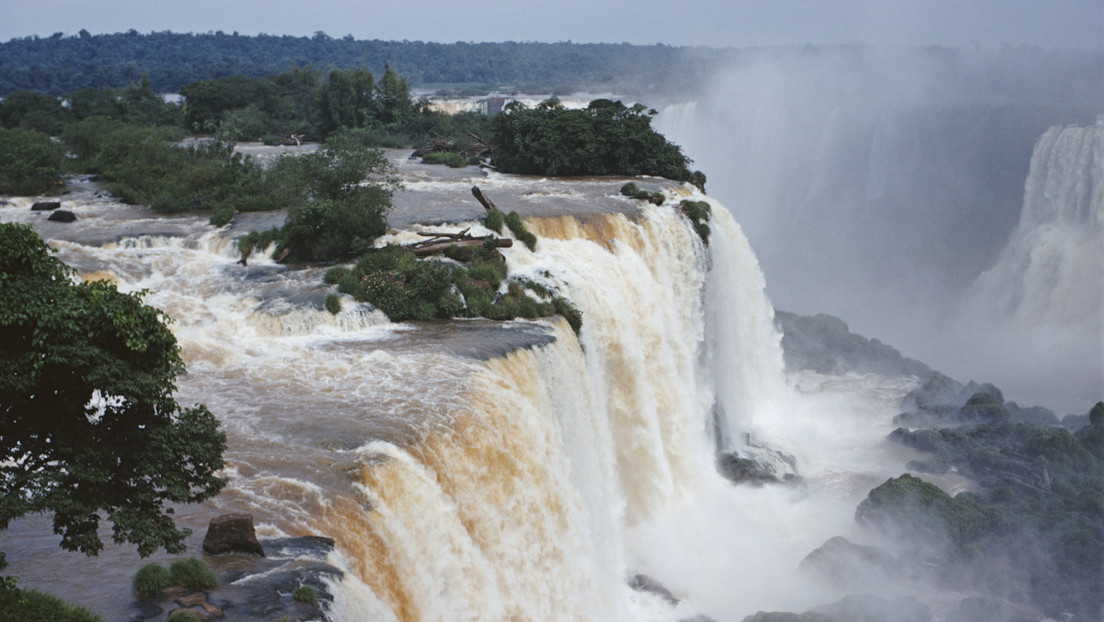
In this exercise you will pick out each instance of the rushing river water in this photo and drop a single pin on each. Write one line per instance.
(477, 470)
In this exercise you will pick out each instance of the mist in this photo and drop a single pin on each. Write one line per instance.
(878, 185)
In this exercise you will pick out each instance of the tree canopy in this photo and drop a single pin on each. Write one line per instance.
(605, 138)
(89, 428)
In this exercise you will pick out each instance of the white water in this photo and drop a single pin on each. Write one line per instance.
(1043, 300)
(529, 486)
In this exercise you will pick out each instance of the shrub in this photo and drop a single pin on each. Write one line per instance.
(699, 213)
(150, 580)
(34, 606)
(192, 573)
(513, 222)
(453, 160)
(494, 220)
(333, 303)
(305, 594)
(183, 615)
(30, 163)
(631, 190)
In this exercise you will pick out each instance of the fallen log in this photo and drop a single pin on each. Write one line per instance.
(483, 200)
(463, 235)
(438, 247)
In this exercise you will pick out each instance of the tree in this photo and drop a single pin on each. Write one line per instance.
(30, 163)
(89, 427)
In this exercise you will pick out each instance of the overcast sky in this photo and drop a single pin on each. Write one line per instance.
(1047, 23)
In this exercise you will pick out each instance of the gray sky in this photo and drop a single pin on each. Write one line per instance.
(1047, 23)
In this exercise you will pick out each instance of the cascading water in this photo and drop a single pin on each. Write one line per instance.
(1043, 298)
(477, 470)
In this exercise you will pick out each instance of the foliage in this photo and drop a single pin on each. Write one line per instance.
(88, 424)
(396, 282)
(699, 213)
(28, 605)
(606, 138)
(191, 573)
(911, 508)
(453, 160)
(33, 111)
(305, 594)
(30, 163)
(494, 220)
(145, 165)
(183, 615)
(513, 222)
(1042, 489)
(332, 215)
(150, 580)
(333, 303)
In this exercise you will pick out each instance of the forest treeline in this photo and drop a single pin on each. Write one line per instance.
(60, 64)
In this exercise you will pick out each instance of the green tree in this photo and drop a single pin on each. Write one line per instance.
(30, 163)
(89, 428)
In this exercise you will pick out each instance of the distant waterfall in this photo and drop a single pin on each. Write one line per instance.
(1052, 271)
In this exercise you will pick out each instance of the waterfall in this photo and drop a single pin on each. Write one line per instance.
(1052, 271)
(468, 470)
(517, 507)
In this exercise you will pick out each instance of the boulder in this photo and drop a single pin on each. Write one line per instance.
(849, 566)
(232, 533)
(644, 583)
(62, 216)
(869, 608)
(45, 206)
(759, 465)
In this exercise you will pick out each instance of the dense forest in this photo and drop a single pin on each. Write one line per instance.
(60, 64)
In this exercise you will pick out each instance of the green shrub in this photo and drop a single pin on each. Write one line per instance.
(183, 615)
(494, 220)
(305, 594)
(513, 222)
(150, 580)
(18, 605)
(192, 573)
(699, 213)
(453, 160)
(333, 303)
(30, 163)
(631, 190)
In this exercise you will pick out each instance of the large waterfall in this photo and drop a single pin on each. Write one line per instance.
(474, 470)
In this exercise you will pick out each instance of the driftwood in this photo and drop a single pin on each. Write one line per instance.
(483, 200)
(440, 241)
(430, 249)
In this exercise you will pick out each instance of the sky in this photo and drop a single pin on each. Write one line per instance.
(1055, 24)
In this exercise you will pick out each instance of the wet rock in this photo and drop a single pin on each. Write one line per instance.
(644, 583)
(62, 216)
(45, 206)
(756, 464)
(869, 608)
(983, 609)
(849, 566)
(144, 610)
(303, 546)
(232, 533)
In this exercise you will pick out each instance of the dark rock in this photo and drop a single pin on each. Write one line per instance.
(1096, 415)
(849, 566)
(756, 464)
(644, 583)
(785, 616)
(144, 610)
(62, 216)
(868, 608)
(304, 546)
(45, 206)
(825, 344)
(232, 533)
(982, 609)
